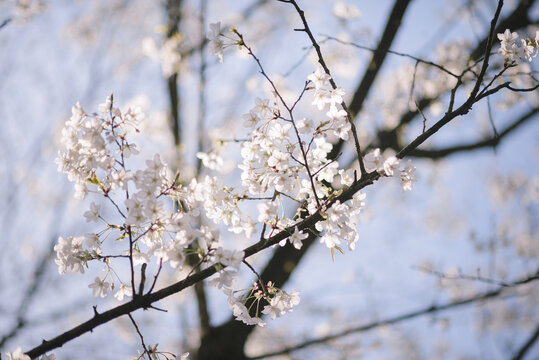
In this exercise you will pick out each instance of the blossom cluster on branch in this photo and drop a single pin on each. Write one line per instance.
(164, 220)
(283, 160)
(514, 51)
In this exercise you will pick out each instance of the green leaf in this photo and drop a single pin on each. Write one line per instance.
(93, 179)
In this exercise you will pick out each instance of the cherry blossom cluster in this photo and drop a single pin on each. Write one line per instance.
(279, 302)
(340, 223)
(410, 82)
(515, 51)
(24, 10)
(91, 142)
(94, 155)
(277, 162)
(324, 94)
(285, 158)
(389, 165)
(160, 219)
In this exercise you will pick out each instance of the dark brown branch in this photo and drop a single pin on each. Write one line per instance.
(518, 19)
(467, 105)
(491, 142)
(144, 347)
(527, 345)
(393, 320)
(5, 22)
(172, 83)
(174, 18)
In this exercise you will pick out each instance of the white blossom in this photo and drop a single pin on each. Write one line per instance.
(407, 176)
(297, 238)
(346, 11)
(100, 287)
(17, 355)
(123, 291)
(390, 165)
(373, 160)
(216, 44)
(93, 213)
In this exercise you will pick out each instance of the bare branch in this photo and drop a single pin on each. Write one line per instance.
(407, 316)
(466, 106)
(491, 142)
(527, 345)
(389, 51)
(5, 22)
(144, 347)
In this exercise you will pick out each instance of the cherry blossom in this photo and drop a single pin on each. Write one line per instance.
(512, 52)
(100, 287)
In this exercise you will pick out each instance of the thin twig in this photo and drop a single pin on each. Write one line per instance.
(260, 281)
(288, 108)
(461, 276)
(156, 276)
(466, 106)
(417, 59)
(407, 316)
(527, 345)
(5, 22)
(144, 347)
(322, 62)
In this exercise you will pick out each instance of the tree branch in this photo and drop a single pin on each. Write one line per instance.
(519, 18)
(5, 22)
(527, 345)
(467, 105)
(407, 316)
(491, 142)
(146, 301)
(360, 95)
(174, 17)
